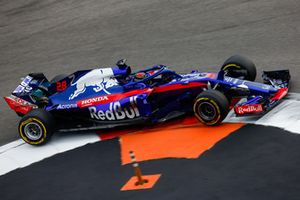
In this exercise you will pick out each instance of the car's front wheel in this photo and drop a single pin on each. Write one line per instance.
(238, 66)
(211, 107)
(36, 127)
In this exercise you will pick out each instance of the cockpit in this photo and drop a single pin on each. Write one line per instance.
(152, 77)
(155, 76)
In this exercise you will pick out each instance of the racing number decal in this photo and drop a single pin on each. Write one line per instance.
(61, 86)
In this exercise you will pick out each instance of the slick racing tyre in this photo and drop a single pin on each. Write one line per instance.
(239, 67)
(211, 107)
(36, 127)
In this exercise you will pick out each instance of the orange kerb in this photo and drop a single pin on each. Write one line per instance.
(187, 140)
(130, 185)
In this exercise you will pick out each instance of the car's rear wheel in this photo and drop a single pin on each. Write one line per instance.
(211, 107)
(238, 66)
(36, 127)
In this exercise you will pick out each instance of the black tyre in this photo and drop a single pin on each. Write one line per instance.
(211, 107)
(20, 114)
(58, 78)
(36, 127)
(238, 66)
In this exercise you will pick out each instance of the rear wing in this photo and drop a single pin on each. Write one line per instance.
(28, 94)
(30, 84)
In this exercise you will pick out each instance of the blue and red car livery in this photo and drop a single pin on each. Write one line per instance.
(110, 97)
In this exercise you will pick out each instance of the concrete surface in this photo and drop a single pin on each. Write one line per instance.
(254, 162)
(61, 36)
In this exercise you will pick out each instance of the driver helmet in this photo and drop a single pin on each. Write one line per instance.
(140, 75)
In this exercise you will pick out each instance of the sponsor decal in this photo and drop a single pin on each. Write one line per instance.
(247, 109)
(234, 80)
(20, 101)
(196, 76)
(93, 101)
(66, 106)
(116, 111)
(24, 86)
(61, 86)
(110, 98)
(98, 79)
(228, 79)
(19, 105)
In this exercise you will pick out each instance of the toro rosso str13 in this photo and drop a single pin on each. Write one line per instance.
(110, 97)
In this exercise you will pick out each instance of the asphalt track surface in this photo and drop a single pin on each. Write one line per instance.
(62, 36)
(254, 162)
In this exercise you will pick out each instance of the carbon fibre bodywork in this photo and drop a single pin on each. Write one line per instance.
(109, 97)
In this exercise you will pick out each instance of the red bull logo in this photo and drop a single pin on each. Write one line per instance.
(99, 79)
(116, 111)
(247, 109)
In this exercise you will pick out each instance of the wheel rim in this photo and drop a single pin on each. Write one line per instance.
(33, 131)
(207, 111)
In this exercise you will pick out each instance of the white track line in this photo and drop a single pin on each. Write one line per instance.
(286, 115)
(18, 154)
(11, 145)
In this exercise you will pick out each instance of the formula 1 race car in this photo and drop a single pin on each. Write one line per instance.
(110, 97)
